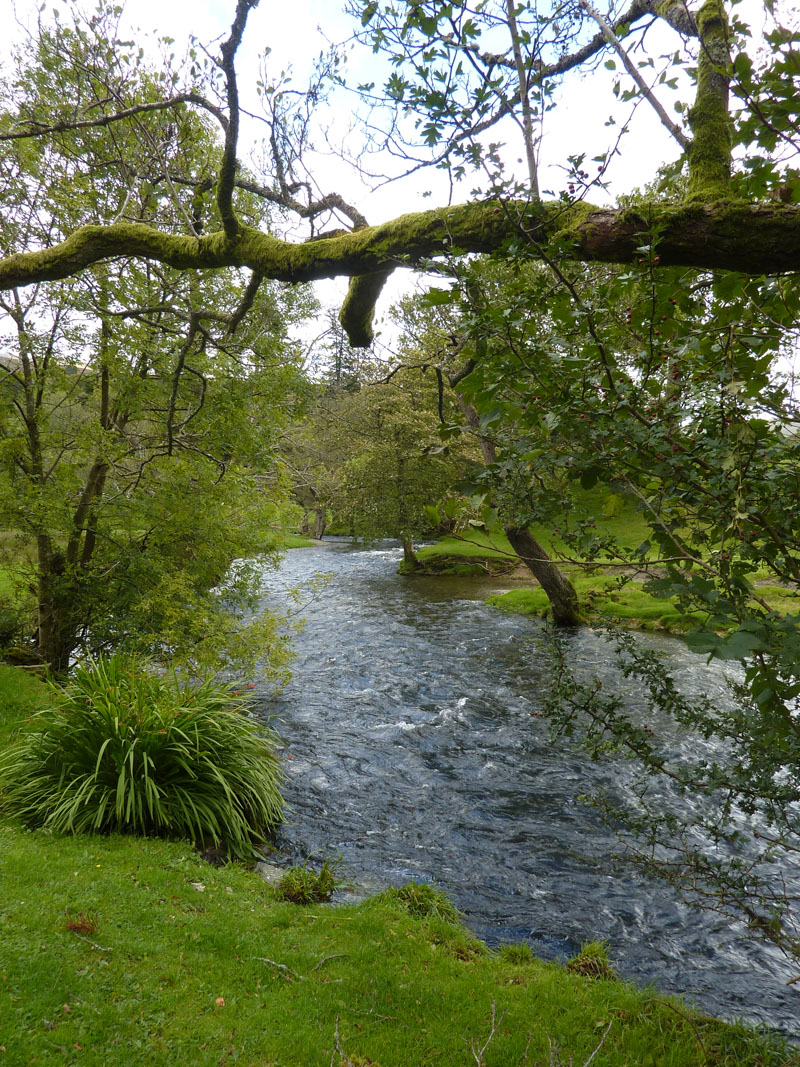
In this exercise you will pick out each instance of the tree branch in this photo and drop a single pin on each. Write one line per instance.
(41, 129)
(227, 172)
(631, 68)
(710, 152)
(728, 235)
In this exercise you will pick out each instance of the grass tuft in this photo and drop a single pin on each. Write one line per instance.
(517, 953)
(303, 885)
(592, 962)
(424, 902)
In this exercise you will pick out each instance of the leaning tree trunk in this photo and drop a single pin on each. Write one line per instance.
(559, 589)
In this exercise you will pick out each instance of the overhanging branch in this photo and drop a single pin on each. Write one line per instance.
(728, 235)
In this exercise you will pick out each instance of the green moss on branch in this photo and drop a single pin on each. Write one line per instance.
(709, 154)
(754, 238)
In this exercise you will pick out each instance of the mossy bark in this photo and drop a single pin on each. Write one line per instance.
(410, 561)
(559, 589)
(755, 238)
(709, 153)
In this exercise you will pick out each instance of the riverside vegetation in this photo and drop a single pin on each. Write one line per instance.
(608, 592)
(120, 942)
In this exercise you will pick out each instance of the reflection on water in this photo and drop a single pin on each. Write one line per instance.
(413, 753)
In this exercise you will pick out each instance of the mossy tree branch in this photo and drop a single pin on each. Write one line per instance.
(753, 238)
(709, 154)
(227, 173)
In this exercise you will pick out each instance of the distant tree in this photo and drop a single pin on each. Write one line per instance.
(138, 412)
(377, 451)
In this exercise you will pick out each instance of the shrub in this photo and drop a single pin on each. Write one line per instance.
(302, 885)
(121, 749)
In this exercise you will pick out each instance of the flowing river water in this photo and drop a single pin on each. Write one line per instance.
(413, 754)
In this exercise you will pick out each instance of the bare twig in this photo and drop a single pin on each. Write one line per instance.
(631, 68)
(477, 1052)
(602, 1042)
(287, 972)
(325, 959)
(96, 947)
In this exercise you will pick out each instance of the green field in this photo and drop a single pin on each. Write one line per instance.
(606, 593)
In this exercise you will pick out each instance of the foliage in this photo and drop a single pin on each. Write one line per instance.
(302, 885)
(373, 456)
(672, 388)
(123, 749)
(138, 415)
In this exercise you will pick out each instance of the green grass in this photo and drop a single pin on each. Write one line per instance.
(297, 541)
(473, 553)
(21, 695)
(138, 952)
(132, 950)
(474, 543)
(6, 583)
(601, 595)
(602, 600)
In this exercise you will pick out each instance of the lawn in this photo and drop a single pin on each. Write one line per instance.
(135, 951)
(604, 594)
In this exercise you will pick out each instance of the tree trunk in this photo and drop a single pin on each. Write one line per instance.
(559, 589)
(55, 638)
(410, 561)
(320, 522)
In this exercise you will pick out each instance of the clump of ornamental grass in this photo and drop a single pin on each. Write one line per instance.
(121, 749)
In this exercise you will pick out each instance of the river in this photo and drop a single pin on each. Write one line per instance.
(413, 753)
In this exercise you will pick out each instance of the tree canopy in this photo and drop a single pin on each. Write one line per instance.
(453, 81)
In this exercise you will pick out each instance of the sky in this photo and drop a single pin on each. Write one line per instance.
(296, 40)
(298, 31)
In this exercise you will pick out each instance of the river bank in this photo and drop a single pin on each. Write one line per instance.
(120, 949)
(608, 594)
(417, 750)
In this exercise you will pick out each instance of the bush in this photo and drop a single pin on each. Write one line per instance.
(124, 750)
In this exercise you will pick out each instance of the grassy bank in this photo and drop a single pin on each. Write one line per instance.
(125, 950)
(602, 595)
(298, 541)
